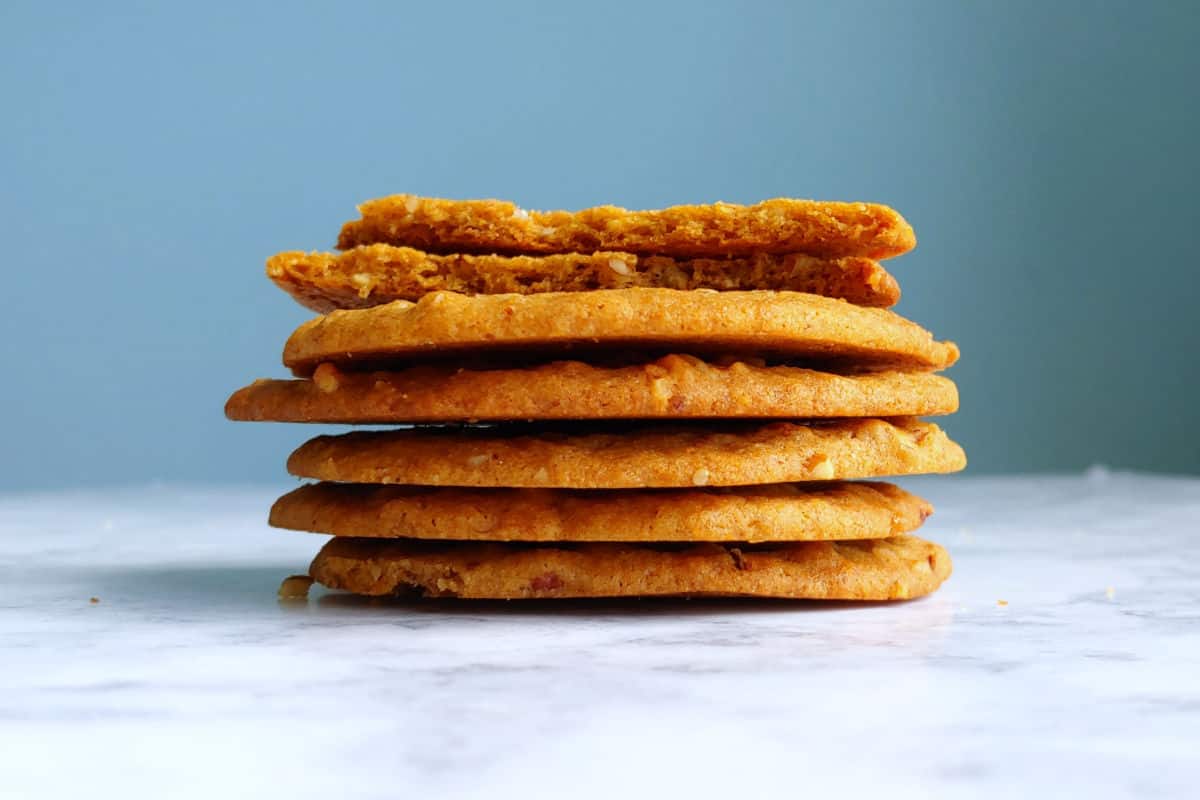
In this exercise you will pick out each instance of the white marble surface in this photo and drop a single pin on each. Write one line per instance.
(189, 679)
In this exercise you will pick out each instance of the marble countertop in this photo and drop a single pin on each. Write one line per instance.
(1061, 659)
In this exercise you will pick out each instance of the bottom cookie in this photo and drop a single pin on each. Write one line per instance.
(897, 568)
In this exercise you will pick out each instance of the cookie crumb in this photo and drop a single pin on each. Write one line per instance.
(326, 378)
(295, 587)
(739, 558)
(94, 600)
(823, 470)
(547, 582)
(618, 266)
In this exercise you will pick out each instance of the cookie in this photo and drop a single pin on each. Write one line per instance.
(898, 568)
(786, 512)
(787, 325)
(376, 274)
(671, 387)
(665, 457)
(830, 230)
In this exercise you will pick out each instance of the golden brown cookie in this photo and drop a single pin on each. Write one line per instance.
(378, 273)
(830, 230)
(899, 568)
(787, 512)
(788, 325)
(665, 457)
(674, 386)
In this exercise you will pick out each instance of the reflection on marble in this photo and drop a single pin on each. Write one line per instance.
(189, 679)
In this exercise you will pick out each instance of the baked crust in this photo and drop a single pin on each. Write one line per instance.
(375, 274)
(781, 225)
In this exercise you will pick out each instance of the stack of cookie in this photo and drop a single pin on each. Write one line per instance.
(612, 403)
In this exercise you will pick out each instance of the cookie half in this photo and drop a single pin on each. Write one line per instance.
(782, 325)
(375, 274)
(898, 568)
(780, 512)
(671, 387)
(782, 225)
(659, 457)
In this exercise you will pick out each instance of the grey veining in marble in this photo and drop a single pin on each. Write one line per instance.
(189, 678)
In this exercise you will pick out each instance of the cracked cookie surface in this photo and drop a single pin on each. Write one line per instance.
(781, 225)
(375, 274)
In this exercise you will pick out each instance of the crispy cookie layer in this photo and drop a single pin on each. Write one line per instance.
(870, 569)
(376, 274)
(786, 512)
(671, 387)
(780, 452)
(789, 325)
(782, 225)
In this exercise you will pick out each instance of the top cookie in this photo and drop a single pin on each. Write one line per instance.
(827, 229)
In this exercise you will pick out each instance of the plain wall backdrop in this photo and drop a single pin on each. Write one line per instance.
(153, 155)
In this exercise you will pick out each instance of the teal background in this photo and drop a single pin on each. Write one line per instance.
(153, 155)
